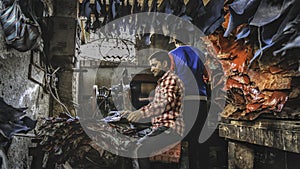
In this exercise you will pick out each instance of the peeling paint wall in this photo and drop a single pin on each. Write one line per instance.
(18, 91)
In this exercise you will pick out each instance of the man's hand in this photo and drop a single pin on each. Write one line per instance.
(125, 113)
(135, 116)
(132, 116)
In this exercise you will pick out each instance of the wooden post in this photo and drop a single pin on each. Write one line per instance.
(240, 156)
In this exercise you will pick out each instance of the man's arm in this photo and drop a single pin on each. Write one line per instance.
(163, 99)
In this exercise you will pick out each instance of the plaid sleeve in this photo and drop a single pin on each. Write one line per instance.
(165, 96)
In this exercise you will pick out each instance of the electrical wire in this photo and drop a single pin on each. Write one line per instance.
(49, 86)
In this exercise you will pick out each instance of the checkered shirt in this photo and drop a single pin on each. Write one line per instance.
(166, 107)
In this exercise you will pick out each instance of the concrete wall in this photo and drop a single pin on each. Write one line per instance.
(18, 91)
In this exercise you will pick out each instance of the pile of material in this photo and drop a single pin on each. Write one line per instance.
(63, 139)
(259, 54)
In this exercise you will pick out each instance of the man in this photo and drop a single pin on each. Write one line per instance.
(187, 64)
(165, 110)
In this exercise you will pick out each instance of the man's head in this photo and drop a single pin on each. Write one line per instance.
(159, 63)
(177, 42)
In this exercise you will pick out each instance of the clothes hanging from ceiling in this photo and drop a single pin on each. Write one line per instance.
(212, 18)
(274, 23)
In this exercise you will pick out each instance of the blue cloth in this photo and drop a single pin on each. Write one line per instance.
(189, 68)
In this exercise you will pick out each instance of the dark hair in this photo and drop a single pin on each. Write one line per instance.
(181, 37)
(179, 42)
(161, 56)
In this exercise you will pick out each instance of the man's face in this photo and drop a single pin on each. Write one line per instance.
(157, 67)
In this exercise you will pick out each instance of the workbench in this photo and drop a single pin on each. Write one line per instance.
(263, 143)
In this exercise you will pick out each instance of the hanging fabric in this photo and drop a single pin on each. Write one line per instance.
(20, 32)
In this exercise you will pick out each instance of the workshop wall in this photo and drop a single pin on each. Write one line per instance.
(107, 76)
(18, 91)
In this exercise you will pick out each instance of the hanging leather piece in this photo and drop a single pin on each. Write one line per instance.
(241, 11)
(153, 6)
(267, 86)
(135, 7)
(212, 18)
(145, 6)
(272, 22)
(195, 8)
(178, 7)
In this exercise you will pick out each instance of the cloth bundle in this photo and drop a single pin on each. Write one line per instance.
(20, 33)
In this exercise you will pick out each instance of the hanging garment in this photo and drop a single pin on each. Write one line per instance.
(145, 6)
(136, 7)
(178, 7)
(245, 32)
(213, 17)
(269, 11)
(294, 44)
(153, 7)
(241, 11)
(20, 32)
(287, 28)
(84, 9)
(195, 8)
(269, 16)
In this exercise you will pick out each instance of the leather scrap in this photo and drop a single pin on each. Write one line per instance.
(264, 87)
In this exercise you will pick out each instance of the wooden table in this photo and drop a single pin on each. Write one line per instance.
(276, 140)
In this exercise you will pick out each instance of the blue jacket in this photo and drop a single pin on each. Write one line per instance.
(189, 68)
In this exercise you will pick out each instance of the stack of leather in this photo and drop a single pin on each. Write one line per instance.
(258, 47)
(63, 139)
